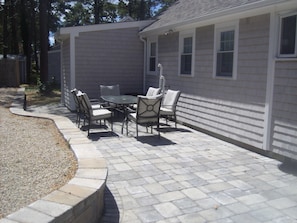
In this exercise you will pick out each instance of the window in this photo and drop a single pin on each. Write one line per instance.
(186, 53)
(288, 36)
(225, 64)
(152, 57)
(225, 54)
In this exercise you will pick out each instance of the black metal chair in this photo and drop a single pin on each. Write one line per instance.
(78, 108)
(147, 112)
(91, 114)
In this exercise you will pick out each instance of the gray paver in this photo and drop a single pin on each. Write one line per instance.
(167, 210)
(188, 176)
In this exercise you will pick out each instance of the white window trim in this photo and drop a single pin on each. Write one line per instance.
(281, 16)
(182, 36)
(221, 28)
(149, 42)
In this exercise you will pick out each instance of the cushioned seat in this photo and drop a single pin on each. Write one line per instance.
(169, 103)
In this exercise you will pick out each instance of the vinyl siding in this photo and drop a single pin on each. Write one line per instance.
(65, 77)
(284, 117)
(231, 108)
(109, 57)
(54, 66)
(168, 57)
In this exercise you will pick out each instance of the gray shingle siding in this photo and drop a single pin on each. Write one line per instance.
(65, 72)
(231, 108)
(109, 57)
(284, 117)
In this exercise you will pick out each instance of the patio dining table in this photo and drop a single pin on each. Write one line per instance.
(122, 101)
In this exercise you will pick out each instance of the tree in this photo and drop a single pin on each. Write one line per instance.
(43, 27)
(25, 13)
(142, 9)
(77, 15)
(27, 23)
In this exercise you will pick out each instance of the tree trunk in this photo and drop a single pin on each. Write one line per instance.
(26, 37)
(5, 32)
(12, 18)
(96, 11)
(43, 6)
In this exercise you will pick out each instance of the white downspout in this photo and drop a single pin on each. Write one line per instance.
(62, 100)
(161, 79)
(270, 84)
(144, 61)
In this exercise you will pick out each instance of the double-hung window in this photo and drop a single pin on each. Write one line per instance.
(186, 55)
(225, 55)
(152, 56)
(288, 35)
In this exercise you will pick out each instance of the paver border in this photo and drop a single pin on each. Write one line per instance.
(82, 198)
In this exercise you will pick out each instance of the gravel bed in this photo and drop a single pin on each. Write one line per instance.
(34, 158)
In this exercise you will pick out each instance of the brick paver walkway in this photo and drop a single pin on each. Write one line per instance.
(187, 176)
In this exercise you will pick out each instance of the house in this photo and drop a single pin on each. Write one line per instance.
(101, 54)
(235, 62)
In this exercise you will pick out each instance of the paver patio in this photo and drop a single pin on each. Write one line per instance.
(188, 176)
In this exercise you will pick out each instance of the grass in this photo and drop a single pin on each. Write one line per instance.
(34, 97)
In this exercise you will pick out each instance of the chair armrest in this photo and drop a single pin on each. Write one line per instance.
(130, 110)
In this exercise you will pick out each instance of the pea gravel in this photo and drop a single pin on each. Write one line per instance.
(34, 158)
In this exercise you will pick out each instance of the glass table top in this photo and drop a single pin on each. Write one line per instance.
(120, 99)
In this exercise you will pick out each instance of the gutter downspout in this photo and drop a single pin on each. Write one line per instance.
(144, 61)
(270, 84)
(59, 40)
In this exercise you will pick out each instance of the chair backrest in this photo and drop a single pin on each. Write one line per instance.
(170, 99)
(76, 100)
(148, 109)
(112, 90)
(86, 104)
(153, 91)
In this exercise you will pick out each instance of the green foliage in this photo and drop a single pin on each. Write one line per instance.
(46, 88)
(142, 9)
(23, 16)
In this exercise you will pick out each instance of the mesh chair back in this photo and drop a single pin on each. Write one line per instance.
(76, 101)
(86, 104)
(111, 90)
(148, 109)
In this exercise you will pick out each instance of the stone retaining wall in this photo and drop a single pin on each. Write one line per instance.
(82, 198)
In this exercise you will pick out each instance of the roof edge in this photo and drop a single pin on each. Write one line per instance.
(259, 6)
(65, 32)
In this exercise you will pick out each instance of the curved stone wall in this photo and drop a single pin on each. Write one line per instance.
(82, 198)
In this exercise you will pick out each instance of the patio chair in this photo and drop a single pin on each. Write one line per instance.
(91, 114)
(150, 92)
(147, 112)
(153, 91)
(78, 108)
(169, 103)
(109, 90)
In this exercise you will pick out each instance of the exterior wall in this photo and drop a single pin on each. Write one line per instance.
(54, 66)
(109, 57)
(230, 108)
(284, 116)
(65, 75)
